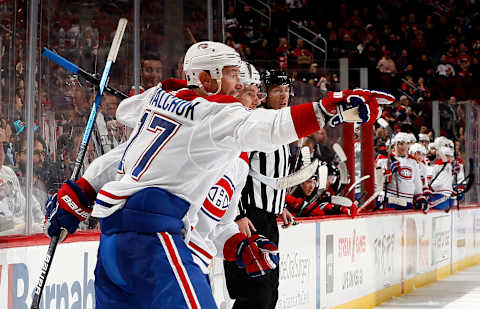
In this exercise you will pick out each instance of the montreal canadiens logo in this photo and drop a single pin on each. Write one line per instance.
(405, 172)
(218, 196)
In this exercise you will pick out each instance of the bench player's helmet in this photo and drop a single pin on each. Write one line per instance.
(249, 74)
(417, 148)
(208, 56)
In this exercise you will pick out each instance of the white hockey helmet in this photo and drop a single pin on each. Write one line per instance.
(208, 56)
(447, 151)
(423, 137)
(249, 74)
(443, 141)
(412, 138)
(417, 148)
(401, 137)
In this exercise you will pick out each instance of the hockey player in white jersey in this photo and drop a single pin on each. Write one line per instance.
(442, 179)
(182, 144)
(216, 220)
(447, 176)
(402, 174)
(418, 152)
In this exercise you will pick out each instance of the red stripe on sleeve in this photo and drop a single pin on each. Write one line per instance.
(217, 212)
(244, 157)
(304, 119)
(202, 251)
(112, 196)
(226, 185)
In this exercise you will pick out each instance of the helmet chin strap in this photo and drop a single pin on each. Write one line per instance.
(219, 87)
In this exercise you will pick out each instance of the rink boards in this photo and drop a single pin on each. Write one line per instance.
(334, 263)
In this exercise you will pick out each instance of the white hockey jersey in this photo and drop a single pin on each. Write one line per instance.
(211, 226)
(214, 223)
(406, 182)
(424, 172)
(184, 143)
(441, 178)
(216, 219)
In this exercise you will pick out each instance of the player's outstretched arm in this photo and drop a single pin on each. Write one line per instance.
(237, 128)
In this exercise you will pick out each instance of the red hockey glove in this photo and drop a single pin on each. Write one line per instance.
(77, 198)
(328, 207)
(256, 254)
(293, 203)
(345, 210)
(356, 105)
(353, 210)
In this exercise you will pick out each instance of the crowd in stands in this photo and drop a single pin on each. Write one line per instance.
(398, 42)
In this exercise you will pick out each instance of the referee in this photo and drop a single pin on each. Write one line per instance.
(260, 205)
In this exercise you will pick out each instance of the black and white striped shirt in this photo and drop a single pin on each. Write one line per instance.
(256, 194)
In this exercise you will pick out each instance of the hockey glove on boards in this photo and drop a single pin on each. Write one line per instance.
(421, 202)
(68, 207)
(256, 254)
(358, 105)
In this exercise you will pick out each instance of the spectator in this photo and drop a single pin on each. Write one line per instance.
(231, 22)
(12, 201)
(282, 51)
(403, 60)
(311, 77)
(303, 55)
(6, 140)
(445, 69)
(40, 192)
(152, 71)
(386, 65)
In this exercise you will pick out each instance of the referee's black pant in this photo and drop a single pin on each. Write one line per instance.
(259, 292)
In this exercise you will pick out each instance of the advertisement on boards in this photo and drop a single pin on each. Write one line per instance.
(424, 232)
(462, 227)
(344, 246)
(70, 284)
(441, 240)
(387, 248)
(411, 250)
(476, 231)
(360, 257)
(297, 287)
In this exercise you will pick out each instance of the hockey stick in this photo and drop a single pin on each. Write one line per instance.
(112, 55)
(288, 181)
(341, 200)
(356, 183)
(80, 72)
(341, 165)
(369, 200)
(297, 156)
(322, 177)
